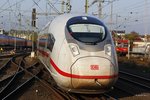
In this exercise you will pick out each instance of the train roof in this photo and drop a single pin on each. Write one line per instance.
(122, 41)
(65, 17)
(11, 37)
(59, 23)
(3, 36)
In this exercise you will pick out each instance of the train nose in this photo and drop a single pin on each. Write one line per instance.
(93, 73)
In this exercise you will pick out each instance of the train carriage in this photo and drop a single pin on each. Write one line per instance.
(3, 40)
(10, 42)
(79, 53)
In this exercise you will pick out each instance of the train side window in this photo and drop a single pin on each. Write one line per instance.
(42, 41)
(51, 41)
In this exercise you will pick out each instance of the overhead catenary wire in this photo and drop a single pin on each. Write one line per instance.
(37, 4)
(104, 6)
(4, 4)
(127, 7)
(12, 10)
(135, 14)
(53, 7)
(9, 7)
(12, 5)
(136, 8)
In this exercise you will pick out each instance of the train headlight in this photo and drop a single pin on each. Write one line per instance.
(74, 50)
(108, 49)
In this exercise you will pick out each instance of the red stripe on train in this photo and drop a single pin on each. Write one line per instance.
(79, 76)
(73, 75)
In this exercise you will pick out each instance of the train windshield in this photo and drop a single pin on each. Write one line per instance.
(87, 33)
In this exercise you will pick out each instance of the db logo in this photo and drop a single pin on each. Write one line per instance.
(94, 67)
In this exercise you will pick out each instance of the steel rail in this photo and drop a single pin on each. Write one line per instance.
(142, 85)
(4, 92)
(136, 76)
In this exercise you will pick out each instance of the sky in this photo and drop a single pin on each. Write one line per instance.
(129, 16)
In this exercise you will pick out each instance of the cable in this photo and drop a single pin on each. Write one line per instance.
(36, 3)
(133, 7)
(12, 5)
(4, 4)
(53, 7)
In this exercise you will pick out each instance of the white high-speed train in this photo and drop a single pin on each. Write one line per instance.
(79, 53)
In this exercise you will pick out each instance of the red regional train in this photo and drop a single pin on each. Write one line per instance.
(122, 47)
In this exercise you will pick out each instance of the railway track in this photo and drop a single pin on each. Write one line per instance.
(12, 82)
(130, 85)
(4, 61)
(7, 71)
(48, 81)
(94, 97)
(26, 76)
(135, 79)
(71, 96)
(9, 55)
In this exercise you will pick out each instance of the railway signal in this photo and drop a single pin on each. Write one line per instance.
(33, 18)
(33, 23)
